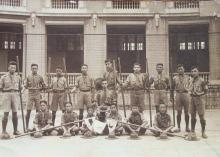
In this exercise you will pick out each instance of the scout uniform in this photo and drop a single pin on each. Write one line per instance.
(34, 83)
(105, 97)
(58, 85)
(67, 118)
(112, 79)
(137, 119)
(162, 121)
(43, 119)
(85, 84)
(181, 86)
(116, 116)
(161, 85)
(137, 82)
(87, 128)
(198, 89)
(9, 85)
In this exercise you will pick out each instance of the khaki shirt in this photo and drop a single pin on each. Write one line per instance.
(181, 83)
(161, 82)
(43, 118)
(9, 82)
(198, 86)
(162, 121)
(69, 117)
(34, 82)
(136, 81)
(112, 78)
(58, 83)
(85, 83)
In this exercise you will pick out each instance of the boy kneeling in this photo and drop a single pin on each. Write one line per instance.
(137, 125)
(42, 121)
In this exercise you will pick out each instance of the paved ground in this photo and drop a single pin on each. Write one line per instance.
(121, 147)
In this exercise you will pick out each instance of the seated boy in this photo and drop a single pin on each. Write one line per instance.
(87, 128)
(136, 125)
(67, 117)
(42, 121)
(117, 117)
(162, 121)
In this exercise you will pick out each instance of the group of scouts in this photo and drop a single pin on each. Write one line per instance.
(99, 97)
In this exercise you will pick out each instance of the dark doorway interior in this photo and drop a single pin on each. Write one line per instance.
(128, 43)
(65, 41)
(11, 45)
(189, 46)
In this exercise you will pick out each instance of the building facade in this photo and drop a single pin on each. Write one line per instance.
(89, 31)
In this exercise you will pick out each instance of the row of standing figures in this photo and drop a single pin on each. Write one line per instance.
(103, 92)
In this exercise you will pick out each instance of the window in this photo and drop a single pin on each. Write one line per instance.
(202, 44)
(5, 45)
(182, 46)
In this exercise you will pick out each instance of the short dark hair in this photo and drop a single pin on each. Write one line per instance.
(68, 103)
(108, 61)
(179, 65)
(34, 64)
(43, 101)
(12, 63)
(59, 67)
(136, 63)
(159, 64)
(194, 67)
(84, 65)
(104, 79)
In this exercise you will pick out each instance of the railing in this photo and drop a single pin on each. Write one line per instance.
(71, 77)
(182, 4)
(64, 4)
(11, 3)
(204, 75)
(125, 4)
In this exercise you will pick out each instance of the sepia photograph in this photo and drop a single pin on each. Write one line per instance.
(109, 78)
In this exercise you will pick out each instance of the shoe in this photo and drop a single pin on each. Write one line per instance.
(16, 133)
(204, 135)
(5, 135)
(177, 130)
(187, 130)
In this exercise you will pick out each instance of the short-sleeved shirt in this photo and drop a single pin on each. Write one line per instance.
(34, 82)
(136, 81)
(198, 86)
(43, 118)
(69, 117)
(59, 83)
(181, 83)
(116, 116)
(162, 121)
(9, 82)
(105, 96)
(135, 118)
(112, 78)
(85, 83)
(161, 82)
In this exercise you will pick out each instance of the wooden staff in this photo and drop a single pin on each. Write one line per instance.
(20, 93)
(172, 89)
(67, 82)
(148, 87)
(48, 78)
(122, 91)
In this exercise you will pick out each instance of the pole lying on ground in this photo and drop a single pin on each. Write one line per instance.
(172, 89)
(122, 91)
(25, 134)
(148, 87)
(151, 129)
(20, 93)
(48, 78)
(66, 76)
